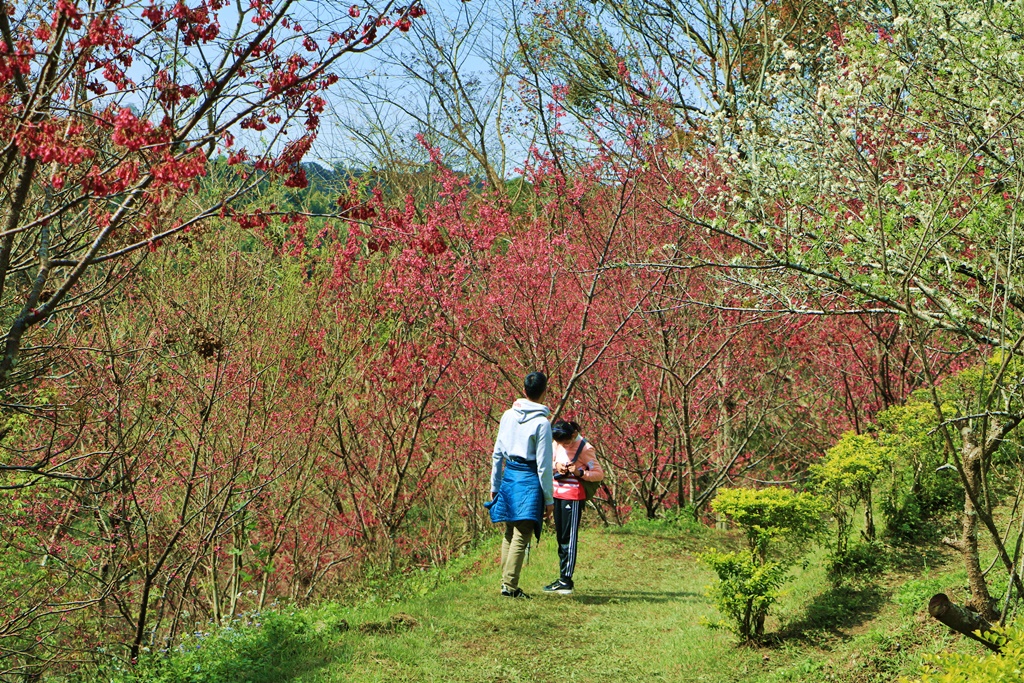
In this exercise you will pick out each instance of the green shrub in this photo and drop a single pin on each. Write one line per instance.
(771, 515)
(856, 561)
(846, 475)
(749, 582)
(1004, 667)
(920, 487)
(746, 589)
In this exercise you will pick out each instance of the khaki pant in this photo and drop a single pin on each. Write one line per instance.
(513, 551)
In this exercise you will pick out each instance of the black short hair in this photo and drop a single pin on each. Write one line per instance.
(535, 384)
(563, 430)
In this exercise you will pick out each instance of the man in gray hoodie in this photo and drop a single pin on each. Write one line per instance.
(521, 478)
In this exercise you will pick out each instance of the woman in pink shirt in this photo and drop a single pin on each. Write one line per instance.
(574, 460)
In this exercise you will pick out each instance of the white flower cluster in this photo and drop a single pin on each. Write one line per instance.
(874, 158)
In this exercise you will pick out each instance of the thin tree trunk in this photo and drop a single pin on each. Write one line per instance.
(869, 516)
(215, 587)
(981, 601)
(759, 625)
(691, 475)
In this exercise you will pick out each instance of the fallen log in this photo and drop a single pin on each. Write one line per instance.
(960, 619)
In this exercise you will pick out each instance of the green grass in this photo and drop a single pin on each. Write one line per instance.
(635, 617)
(639, 614)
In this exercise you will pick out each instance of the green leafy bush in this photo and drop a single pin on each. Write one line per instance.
(771, 515)
(749, 582)
(921, 487)
(1004, 667)
(846, 475)
(746, 589)
(857, 561)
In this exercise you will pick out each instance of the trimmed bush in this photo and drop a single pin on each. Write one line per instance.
(749, 582)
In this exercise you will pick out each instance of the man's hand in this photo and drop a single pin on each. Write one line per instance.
(548, 511)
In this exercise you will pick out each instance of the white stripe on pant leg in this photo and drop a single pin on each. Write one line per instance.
(567, 518)
(577, 509)
(576, 531)
(574, 521)
(570, 560)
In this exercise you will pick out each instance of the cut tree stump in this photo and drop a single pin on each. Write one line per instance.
(960, 619)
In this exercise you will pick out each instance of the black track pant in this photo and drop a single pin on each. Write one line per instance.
(567, 527)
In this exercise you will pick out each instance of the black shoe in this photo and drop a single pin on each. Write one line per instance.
(507, 592)
(562, 587)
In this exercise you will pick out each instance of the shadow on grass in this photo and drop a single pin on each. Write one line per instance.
(831, 614)
(612, 597)
(917, 557)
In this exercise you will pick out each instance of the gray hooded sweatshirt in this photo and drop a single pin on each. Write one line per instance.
(525, 432)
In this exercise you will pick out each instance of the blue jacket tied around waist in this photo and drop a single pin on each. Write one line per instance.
(520, 496)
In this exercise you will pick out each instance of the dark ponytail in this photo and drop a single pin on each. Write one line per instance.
(563, 430)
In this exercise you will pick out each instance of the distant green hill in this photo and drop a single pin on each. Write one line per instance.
(326, 183)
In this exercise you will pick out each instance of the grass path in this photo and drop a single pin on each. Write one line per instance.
(636, 595)
(639, 614)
